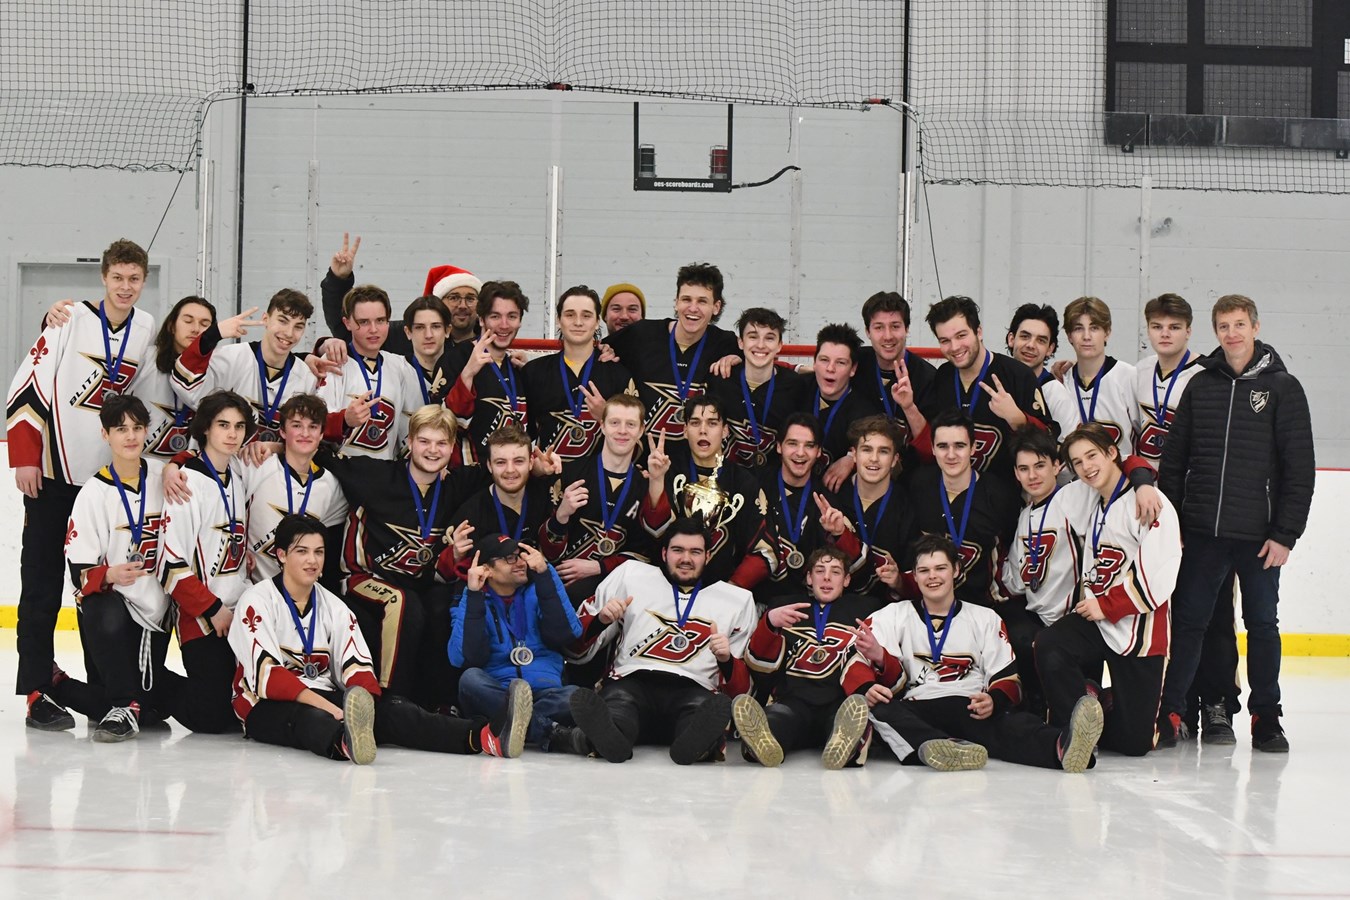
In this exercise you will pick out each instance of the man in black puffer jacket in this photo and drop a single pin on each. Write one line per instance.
(1238, 464)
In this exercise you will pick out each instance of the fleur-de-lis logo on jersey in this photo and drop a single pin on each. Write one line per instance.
(252, 620)
(39, 350)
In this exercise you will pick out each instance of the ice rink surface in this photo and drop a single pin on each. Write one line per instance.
(177, 815)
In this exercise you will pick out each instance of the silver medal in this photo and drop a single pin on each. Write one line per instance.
(178, 443)
(795, 560)
(606, 546)
(1035, 584)
(311, 670)
(136, 558)
(375, 432)
(424, 555)
(679, 641)
(521, 655)
(819, 655)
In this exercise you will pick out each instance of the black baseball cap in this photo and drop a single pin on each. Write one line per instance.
(495, 547)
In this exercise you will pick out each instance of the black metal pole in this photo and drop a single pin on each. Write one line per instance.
(239, 186)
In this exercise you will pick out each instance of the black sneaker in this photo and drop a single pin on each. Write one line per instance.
(358, 726)
(45, 714)
(1171, 730)
(1268, 736)
(566, 739)
(1218, 725)
(592, 717)
(949, 755)
(1078, 741)
(757, 741)
(704, 732)
(122, 723)
(850, 727)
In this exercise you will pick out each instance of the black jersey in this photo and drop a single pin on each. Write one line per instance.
(487, 515)
(874, 382)
(885, 528)
(608, 529)
(795, 520)
(559, 420)
(741, 541)
(985, 532)
(835, 418)
(645, 349)
(755, 429)
(802, 663)
(496, 399)
(385, 537)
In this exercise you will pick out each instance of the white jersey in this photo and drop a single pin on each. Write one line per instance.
(100, 535)
(650, 636)
(1131, 569)
(1158, 398)
(170, 417)
(56, 396)
(394, 381)
(235, 367)
(273, 662)
(274, 490)
(1061, 404)
(975, 657)
(1043, 562)
(202, 544)
(1109, 401)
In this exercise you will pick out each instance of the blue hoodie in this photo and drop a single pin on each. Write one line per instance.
(483, 623)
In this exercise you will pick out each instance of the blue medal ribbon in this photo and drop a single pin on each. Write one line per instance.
(508, 382)
(304, 499)
(969, 406)
(513, 616)
(794, 526)
(137, 523)
(608, 514)
(422, 381)
(1090, 413)
(1034, 540)
(934, 644)
(306, 638)
(820, 617)
(1099, 517)
(112, 368)
(378, 387)
(834, 410)
(956, 535)
(501, 513)
(269, 408)
(426, 515)
(220, 485)
(886, 400)
(881, 511)
(750, 405)
(571, 391)
(682, 386)
(1160, 410)
(682, 618)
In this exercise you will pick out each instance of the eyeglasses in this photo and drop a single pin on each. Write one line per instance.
(461, 298)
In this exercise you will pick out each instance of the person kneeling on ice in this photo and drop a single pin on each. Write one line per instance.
(798, 651)
(942, 682)
(512, 622)
(305, 678)
(679, 656)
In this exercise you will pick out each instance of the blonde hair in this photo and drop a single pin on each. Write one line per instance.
(434, 417)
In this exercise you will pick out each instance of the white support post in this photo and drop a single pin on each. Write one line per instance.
(794, 286)
(1145, 247)
(553, 259)
(205, 232)
(312, 231)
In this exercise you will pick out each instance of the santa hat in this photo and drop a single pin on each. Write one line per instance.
(441, 280)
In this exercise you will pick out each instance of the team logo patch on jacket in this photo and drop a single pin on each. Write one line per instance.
(1259, 400)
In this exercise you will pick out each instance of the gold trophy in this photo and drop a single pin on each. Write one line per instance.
(704, 496)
